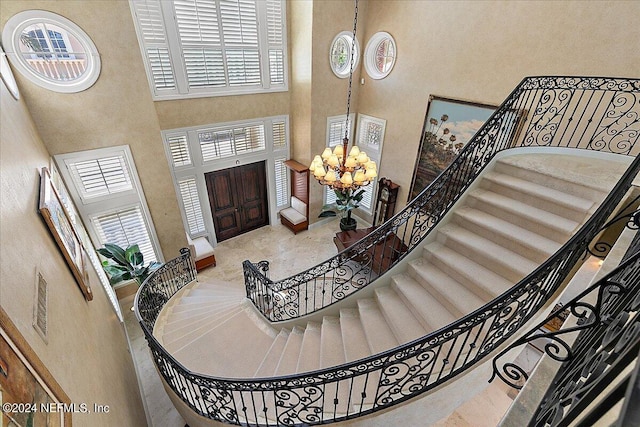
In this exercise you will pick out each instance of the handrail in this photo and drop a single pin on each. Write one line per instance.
(608, 321)
(598, 114)
(382, 380)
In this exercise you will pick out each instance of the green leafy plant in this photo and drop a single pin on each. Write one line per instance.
(346, 201)
(125, 264)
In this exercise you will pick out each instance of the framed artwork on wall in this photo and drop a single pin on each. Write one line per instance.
(61, 228)
(29, 394)
(449, 124)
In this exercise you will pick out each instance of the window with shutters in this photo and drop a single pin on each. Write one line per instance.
(195, 151)
(197, 48)
(282, 183)
(369, 137)
(335, 135)
(105, 187)
(191, 207)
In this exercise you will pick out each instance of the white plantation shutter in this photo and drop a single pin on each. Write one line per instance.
(275, 37)
(101, 176)
(179, 150)
(335, 135)
(220, 47)
(282, 183)
(151, 30)
(125, 228)
(279, 132)
(191, 205)
(217, 144)
(370, 139)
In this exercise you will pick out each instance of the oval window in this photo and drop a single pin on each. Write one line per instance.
(380, 55)
(51, 51)
(340, 54)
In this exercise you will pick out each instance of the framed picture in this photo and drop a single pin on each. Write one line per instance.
(449, 124)
(29, 395)
(57, 219)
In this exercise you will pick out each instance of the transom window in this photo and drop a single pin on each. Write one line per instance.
(51, 51)
(197, 48)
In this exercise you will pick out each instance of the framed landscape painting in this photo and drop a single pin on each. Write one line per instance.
(449, 124)
(57, 219)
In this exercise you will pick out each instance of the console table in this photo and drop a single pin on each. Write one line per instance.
(382, 254)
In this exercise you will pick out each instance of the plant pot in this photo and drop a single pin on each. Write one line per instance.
(347, 224)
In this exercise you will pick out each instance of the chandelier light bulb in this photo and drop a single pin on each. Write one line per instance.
(330, 176)
(346, 179)
(371, 174)
(333, 160)
(359, 177)
(319, 171)
(354, 151)
(362, 157)
(351, 162)
(325, 154)
(338, 151)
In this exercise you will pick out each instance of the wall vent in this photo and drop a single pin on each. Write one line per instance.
(40, 306)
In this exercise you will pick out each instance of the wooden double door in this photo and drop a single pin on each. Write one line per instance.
(238, 199)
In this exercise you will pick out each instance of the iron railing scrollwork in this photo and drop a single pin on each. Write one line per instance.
(597, 114)
(382, 380)
(607, 314)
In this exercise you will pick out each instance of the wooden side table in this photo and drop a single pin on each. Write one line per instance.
(382, 254)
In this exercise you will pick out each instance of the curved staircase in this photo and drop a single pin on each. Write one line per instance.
(521, 212)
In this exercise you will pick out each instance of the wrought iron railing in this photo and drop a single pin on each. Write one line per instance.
(592, 378)
(599, 114)
(382, 380)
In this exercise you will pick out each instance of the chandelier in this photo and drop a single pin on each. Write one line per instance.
(345, 169)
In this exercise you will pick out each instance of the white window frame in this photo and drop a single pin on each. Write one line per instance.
(346, 37)
(11, 37)
(373, 150)
(171, 42)
(198, 167)
(371, 55)
(92, 207)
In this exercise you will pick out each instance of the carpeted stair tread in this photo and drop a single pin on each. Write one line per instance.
(556, 201)
(331, 345)
(425, 307)
(379, 335)
(354, 338)
(456, 298)
(192, 306)
(587, 177)
(548, 224)
(218, 352)
(525, 242)
(309, 358)
(404, 325)
(500, 259)
(270, 361)
(288, 361)
(480, 280)
(171, 334)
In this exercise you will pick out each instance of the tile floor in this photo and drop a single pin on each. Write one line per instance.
(287, 254)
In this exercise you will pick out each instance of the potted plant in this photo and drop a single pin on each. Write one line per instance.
(346, 201)
(125, 264)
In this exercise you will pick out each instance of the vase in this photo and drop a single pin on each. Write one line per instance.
(347, 224)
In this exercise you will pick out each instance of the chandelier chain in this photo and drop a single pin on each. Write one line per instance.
(353, 48)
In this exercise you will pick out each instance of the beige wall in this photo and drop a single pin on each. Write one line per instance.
(479, 51)
(87, 351)
(116, 110)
